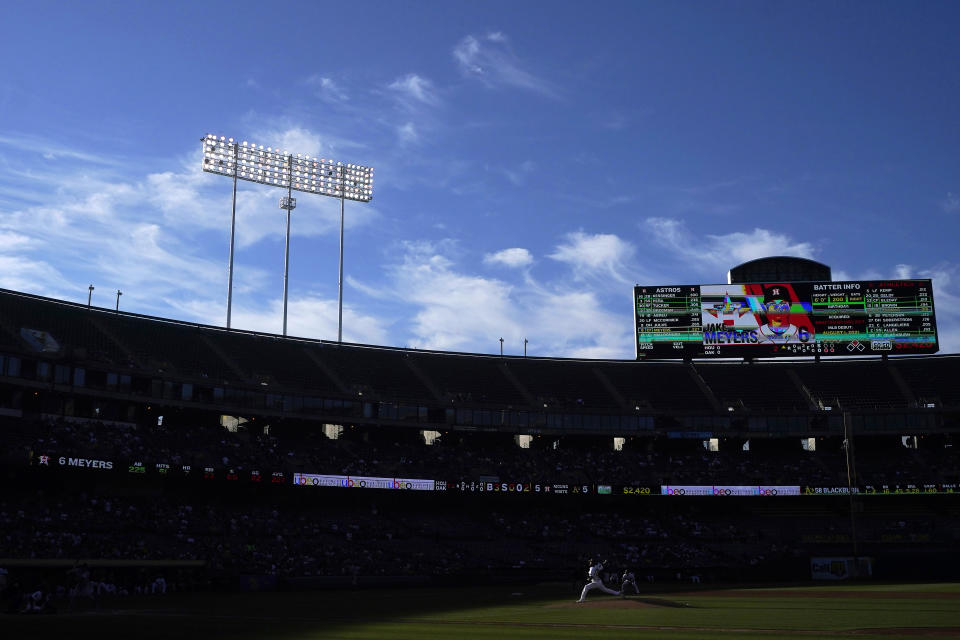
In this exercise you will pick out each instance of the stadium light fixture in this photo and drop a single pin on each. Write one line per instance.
(89, 295)
(248, 161)
(119, 293)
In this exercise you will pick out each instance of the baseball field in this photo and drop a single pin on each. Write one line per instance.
(863, 611)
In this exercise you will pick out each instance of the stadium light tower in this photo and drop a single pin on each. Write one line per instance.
(249, 161)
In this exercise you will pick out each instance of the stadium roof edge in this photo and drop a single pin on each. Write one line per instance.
(333, 343)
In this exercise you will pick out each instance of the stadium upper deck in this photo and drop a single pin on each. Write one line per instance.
(67, 359)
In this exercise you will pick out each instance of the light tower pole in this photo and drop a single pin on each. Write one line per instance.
(289, 204)
(233, 229)
(248, 161)
(340, 281)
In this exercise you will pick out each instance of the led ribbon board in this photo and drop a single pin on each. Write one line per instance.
(774, 319)
(249, 161)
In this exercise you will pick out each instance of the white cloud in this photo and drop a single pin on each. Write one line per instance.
(25, 274)
(178, 196)
(414, 88)
(707, 251)
(311, 317)
(150, 235)
(575, 324)
(519, 175)
(903, 272)
(946, 300)
(11, 240)
(50, 150)
(294, 138)
(455, 309)
(598, 255)
(513, 258)
(491, 61)
(298, 140)
(104, 238)
(466, 53)
(460, 311)
(326, 89)
(380, 291)
(614, 121)
(407, 133)
(951, 204)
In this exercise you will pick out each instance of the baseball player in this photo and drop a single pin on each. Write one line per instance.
(778, 327)
(593, 574)
(628, 579)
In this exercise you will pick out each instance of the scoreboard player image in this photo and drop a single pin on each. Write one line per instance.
(748, 314)
(777, 310)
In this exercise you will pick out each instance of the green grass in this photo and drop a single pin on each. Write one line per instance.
(863, 611)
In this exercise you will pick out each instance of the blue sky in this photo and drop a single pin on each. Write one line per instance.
(533, 160)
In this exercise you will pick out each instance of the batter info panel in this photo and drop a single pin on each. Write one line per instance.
(785, 319)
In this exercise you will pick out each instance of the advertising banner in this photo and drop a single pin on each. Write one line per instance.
(362, 482)
(729, 490)
(840, 568)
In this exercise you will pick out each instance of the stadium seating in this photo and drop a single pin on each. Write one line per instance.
(150, 394)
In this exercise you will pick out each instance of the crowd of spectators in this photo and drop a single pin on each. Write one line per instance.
(313, 532)
(216, 537)
(314, 538)
(458, 457)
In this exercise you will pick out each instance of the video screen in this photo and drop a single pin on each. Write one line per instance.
(771, 319)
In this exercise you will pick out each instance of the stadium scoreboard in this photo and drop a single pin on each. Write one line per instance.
(772, 319)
